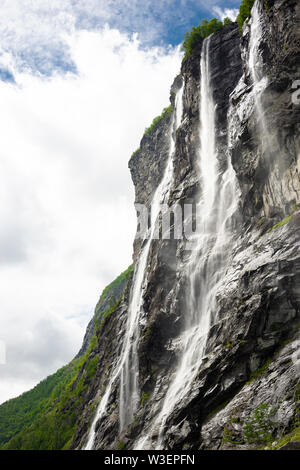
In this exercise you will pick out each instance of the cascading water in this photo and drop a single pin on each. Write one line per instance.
(127, 366)
(207, 265)
(258, 78)
(267, 131)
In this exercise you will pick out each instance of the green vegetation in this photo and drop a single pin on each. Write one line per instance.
(120, 446)
(262, 370)
(285, 221)
(206, 28)
(228, 345)
(259, 428)
(45, 418)
(261, 221)
(245, 12)
(113, 305)
(197, 34)
(22, 411)
(145, 397)
(108, 303)
(192, 38)
(92, 366)
(292, 436)
(53, 423)
(147, 333)
(227, 21)
(266, 5)
(228, 436)
(135, 153)
(148, 131)
(281, 223)
(165, 112)
(123, 277)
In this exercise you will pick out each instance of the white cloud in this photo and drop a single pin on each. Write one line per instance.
(222, 13)
(66, 198)
(34, 31)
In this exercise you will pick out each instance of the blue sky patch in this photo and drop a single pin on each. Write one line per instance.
(35, 34)
(6, 76)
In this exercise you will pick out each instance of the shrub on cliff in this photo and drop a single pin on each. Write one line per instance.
(245, 12)
(205, 28)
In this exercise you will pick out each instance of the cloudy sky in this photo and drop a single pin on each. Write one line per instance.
(79, 82)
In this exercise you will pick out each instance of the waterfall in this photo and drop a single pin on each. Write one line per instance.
(127, 367)
(208, 262)
(259, 80)
(129, 391)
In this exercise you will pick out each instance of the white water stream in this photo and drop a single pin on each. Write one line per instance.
(208, 262)
(255, 62)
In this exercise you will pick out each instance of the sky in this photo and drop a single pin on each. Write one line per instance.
(79, 82)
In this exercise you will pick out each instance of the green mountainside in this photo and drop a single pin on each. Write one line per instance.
(45, 417)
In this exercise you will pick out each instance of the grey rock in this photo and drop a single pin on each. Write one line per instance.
(249, 375)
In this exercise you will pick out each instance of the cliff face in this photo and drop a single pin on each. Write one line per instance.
(246, 390)
(240, 386)
(267, 165)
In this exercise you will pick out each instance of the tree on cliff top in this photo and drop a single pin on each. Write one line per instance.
(245, 11)
(205, 28)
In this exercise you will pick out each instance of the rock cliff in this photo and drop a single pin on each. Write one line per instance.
(245, 387)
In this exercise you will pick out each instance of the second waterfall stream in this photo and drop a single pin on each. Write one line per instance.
(207, 264)
(127, 366)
